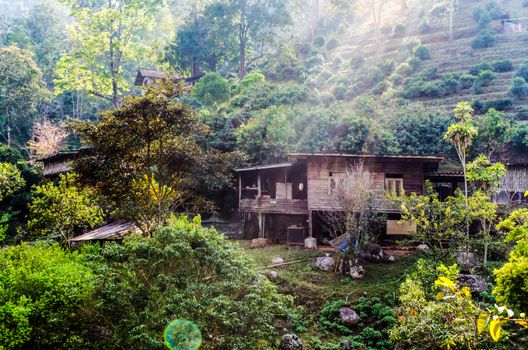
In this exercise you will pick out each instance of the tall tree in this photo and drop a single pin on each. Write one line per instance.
(257, 22)
(21, 91)
(106, 37)
(145, 158)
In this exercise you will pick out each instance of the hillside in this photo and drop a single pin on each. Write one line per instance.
(423, 24)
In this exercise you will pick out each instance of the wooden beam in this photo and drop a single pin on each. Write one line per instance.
(310, 225)
(259, 188)
(239, 189)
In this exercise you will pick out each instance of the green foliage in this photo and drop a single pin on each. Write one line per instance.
(512, 278)
(357, 61)
(466, 81)
(399, 30)
(494, 131)
(422, 52)
(439, 10)
(445, 320)
(482, 66)
(501, 66)
(499, 104)
(21, 91)
(43, 289)
(523, 71)
(187, 272)
(376, 318)
(519, 87)
(486, 77)
(63, 209)
(211, 89)
(484, 39)
(10, 180)
(424, 26)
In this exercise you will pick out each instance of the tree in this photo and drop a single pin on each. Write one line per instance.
(105, 39)
(375, 9)
(47, 139)
(256, 22)
(10, 180)
(212, 89)
(146, 159)
(21, 92)
(63, 209)
(493, 131)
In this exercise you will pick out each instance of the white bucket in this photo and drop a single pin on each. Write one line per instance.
(310, 243)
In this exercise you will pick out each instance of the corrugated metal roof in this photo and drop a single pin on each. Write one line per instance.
(435, 158)
(108, 232)
(268, 166)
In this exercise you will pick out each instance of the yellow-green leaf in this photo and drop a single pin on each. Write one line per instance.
(482, 322)
(495, 329)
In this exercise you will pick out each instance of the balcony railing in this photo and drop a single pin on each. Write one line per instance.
(274, 206)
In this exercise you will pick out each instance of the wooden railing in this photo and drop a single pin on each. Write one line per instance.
(274, 206)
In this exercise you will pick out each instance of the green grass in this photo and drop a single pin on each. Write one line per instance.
(311, 288)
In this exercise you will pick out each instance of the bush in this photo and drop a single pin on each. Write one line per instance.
(476, 69)
(523, 71)
(422, 52)
(429, 73)
(396, 79)
(414, 64)
(477, 87)
(319, 41)
(484, 20)
(211, 89)
(339, 92)
(368, 77)
(466, 81)
(357, 61)
(338, 61)
(424, 26)
(500, 104)
(403, 69)
(380, 87)
(522, 113)
(519, 87)
(314, 61)
(486, 77)
(387, 66)
(450, 82)
(484, 39)
(432, 89)
(410, 44)
(399, 30)
(43, 289)
(439, 10)
(186, 272)
(501, 66)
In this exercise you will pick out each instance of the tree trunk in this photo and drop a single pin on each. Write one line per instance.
(242, 63)
(242, 36)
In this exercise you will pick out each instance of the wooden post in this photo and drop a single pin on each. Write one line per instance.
(286, 184)
(310, 226)
(239, 189)
(259, 189)
(260, 224)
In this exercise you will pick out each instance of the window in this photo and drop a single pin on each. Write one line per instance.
(394, 185)
(333, 180)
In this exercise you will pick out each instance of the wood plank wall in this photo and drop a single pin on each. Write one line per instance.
(319, 168)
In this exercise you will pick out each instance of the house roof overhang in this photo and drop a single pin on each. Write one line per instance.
(381, 156)
(108, 232)
(264, 167)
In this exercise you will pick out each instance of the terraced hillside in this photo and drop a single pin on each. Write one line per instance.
(427, 24)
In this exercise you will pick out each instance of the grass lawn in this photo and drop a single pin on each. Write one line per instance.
(312, 287)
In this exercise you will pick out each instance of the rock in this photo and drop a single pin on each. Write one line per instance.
(374, 249)
(291, 341)
(372, 253)
(346, 345)
(258, 243)
(475, 283)
(467, 260)
(325, 263)
(348, 317)
(277, 260)
(357, 272)
(422, 247)
(272, 275)
(391, 258)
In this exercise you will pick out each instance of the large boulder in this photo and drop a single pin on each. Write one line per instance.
(291, 341)
(467, 260)
(325, 263)
(348, 317)
(277, 260)
(475, 283)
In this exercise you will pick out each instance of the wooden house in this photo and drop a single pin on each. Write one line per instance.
(145, 77)
(285, 201)
(58, 163)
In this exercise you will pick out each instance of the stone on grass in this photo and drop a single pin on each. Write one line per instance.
(391, 258)
(422, 247)
(272, 275)
(475, 283)
(258, 243)
(346, 345)
(277, 260)
(357, 272)
(325, 263)
(348, 317)
(291, 341)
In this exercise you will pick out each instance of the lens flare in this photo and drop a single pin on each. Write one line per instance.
(182, 335)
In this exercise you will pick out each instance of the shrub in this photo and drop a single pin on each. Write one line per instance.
(380, 87)
(466, 81)
(486, 77)
(476, 69)
(212, 88)
(424, 26)
(399, 30)
(432, 89)
(429, 73)
(338, 61)
(403, 69)
(43, 288)
(523, 71)
(522, 113)
(422, 52)
(314, 61)
(450, 82)
(396, 79)
(370, 76)
(501, 66)
(319, 41)
(484, 39)
(339, 92)
(410, 44)
(500, 104)
(519, 87)
(484, 20)
(357, 61)
(439, 10)
(387, 66)
(414, 64)
(477, 87)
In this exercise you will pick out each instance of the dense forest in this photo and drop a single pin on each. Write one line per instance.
(245, 82)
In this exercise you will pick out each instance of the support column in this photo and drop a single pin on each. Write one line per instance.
(259, 188)
(239, 189)
(310, 224)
